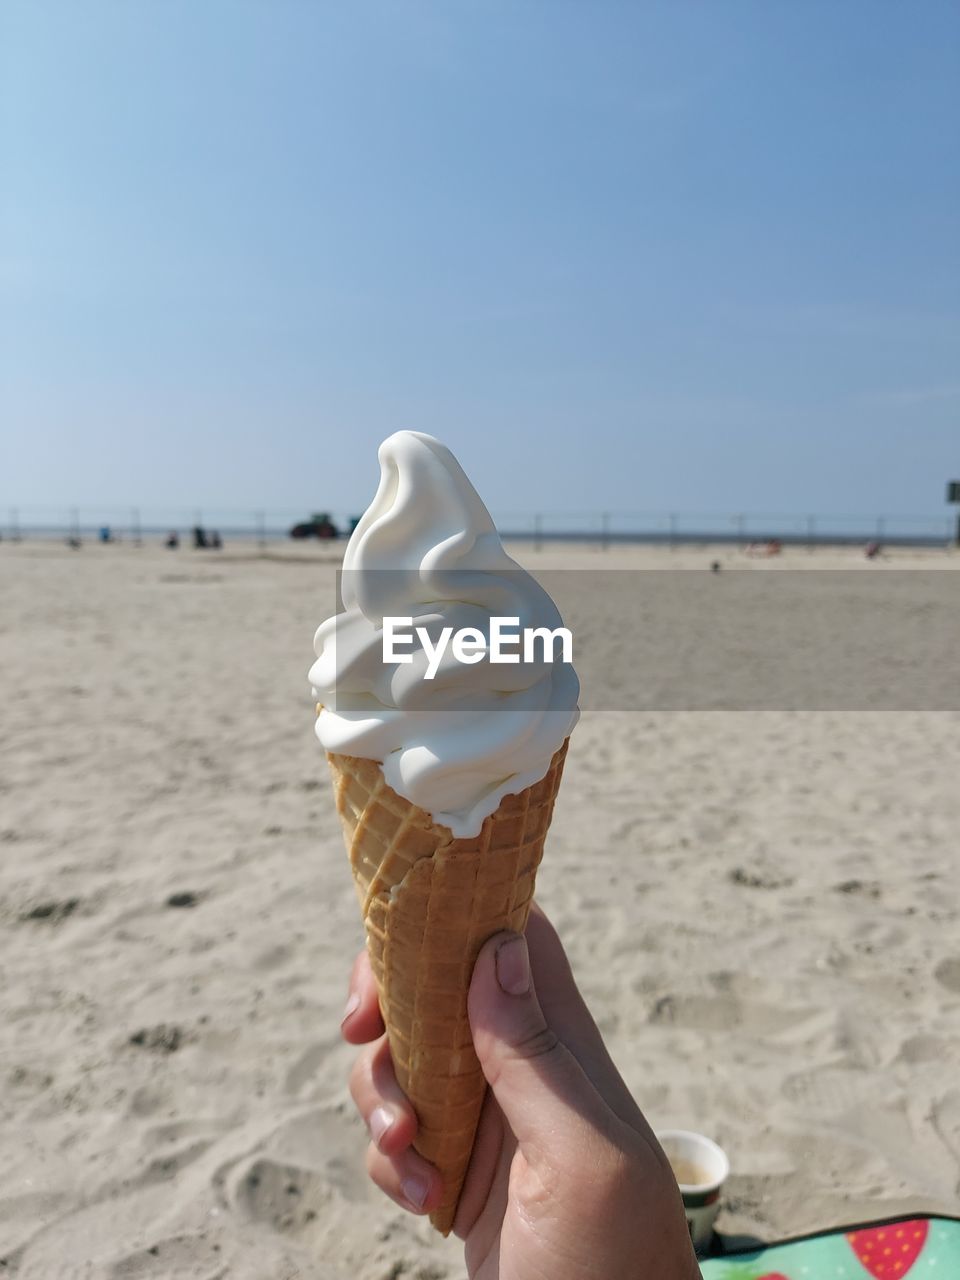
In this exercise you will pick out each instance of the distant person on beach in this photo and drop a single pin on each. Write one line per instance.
(199, 538)
(873, 550)
(567, 1180)
(172, 540)
(215, 542)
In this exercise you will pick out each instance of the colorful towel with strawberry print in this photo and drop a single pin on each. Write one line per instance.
(919, 1248)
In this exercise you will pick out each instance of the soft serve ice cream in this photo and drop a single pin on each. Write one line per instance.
(452, 736)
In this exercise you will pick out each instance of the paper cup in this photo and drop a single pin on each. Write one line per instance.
(701, 1168)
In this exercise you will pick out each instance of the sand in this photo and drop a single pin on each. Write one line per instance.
(761, 906)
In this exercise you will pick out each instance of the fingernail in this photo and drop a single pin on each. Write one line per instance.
(379, 1122)
(353, 1004)
(415, 1191)
(513, 967)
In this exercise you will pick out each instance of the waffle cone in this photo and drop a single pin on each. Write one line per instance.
(429, 903)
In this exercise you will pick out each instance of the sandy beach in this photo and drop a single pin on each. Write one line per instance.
(761, 906)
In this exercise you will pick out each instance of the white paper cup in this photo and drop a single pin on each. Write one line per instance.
(701, 1168)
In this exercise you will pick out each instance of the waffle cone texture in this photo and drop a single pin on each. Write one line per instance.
(429, 903)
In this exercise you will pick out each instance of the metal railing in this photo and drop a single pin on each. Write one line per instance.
(605, 528)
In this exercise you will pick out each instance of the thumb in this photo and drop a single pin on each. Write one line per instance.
(541, 1088)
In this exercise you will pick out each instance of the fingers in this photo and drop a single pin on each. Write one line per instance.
(567, 1015)
(392, 1163)
(407, 1179)
(380, 1100)
(483, 1200)
(540, 1086)
(361, 1018)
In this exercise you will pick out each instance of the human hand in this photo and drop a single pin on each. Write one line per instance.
(566, 1180)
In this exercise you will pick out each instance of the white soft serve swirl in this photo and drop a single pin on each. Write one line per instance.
(426, 548)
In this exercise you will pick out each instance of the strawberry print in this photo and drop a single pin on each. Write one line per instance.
(889, 1252)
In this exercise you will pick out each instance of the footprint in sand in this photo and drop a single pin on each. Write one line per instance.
(923, 1048)
(183, 1255)
(305, 1164)
(286, 1197)
(947, 973)
(705, 1013)
(102, 1239)
(835, 1090)
(165, 1166)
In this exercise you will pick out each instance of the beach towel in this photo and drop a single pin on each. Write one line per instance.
(920, 1248)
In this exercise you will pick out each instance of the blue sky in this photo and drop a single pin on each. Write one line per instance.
(687, 255)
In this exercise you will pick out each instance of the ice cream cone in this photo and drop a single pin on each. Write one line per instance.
(429, 902)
